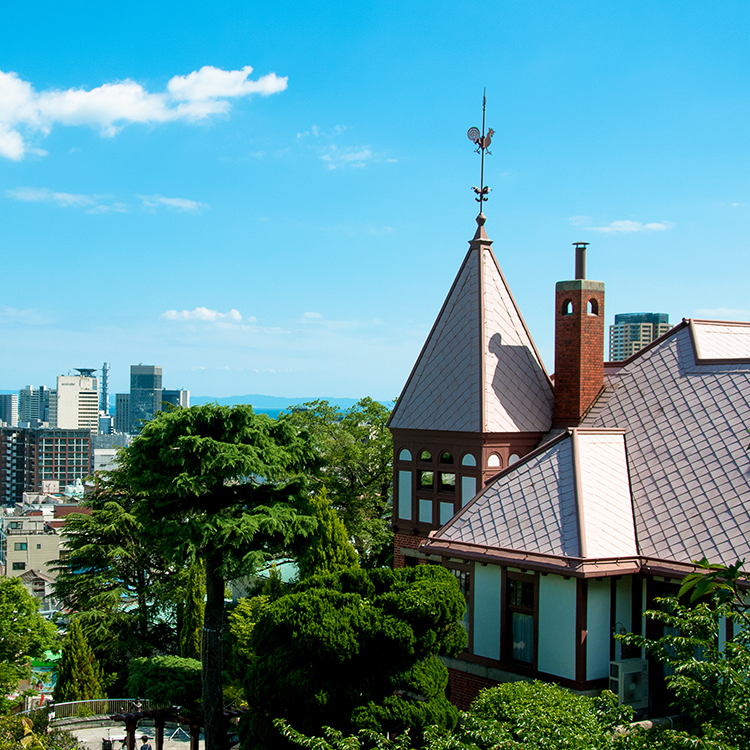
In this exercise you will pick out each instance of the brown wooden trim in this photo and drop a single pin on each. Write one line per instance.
(612, 617)
(581, 628)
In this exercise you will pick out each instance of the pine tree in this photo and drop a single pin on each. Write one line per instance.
(79, 676)
(192, 620)
(329, 550)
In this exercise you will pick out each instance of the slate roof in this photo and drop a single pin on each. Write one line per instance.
(674, 485)
(479, 370)
(570, 498)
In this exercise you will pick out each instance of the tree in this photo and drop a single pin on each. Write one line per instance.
(220, 484)
(357, 452)
(124, 590)
(328, 550)
(512, 716)
(24, 633)
(167, 680)
(191, 632)
(357, 649)
(78, 672)
(710, 680)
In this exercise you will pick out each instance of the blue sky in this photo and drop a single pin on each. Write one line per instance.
(294, 229)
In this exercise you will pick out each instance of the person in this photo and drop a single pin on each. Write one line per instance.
(145, 744)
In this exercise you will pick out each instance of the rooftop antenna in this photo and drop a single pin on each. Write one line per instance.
(482, 142)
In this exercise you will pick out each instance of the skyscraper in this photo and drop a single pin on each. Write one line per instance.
(633, 331)
(145, 394)
(9, 409)
(33, 404)
(74, 404)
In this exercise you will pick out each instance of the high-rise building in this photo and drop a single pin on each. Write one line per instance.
(33, 404)
(176, 398)
(122, 413)
(75, 402)
(145, 394)
(633, 331)
(9, 409)
(29, 457)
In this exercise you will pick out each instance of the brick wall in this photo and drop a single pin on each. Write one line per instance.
(400, 541)
(464, 687)
(579, 349)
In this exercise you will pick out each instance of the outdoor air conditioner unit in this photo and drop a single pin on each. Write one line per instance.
(628, 680)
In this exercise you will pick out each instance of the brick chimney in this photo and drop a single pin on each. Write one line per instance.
(579, 343)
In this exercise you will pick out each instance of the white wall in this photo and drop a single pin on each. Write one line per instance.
(487, 594)
(557, 626)
(598, 626)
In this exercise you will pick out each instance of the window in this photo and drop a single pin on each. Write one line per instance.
(520, 618)
(19, 566)
(446, 512)
(425, 511)
(513, 458)
(593, 307)
(404, 494)
(425, 457)
(38, 546)
(494, 461)
(426, 479)
(404, 455)
(20, 546)
(446, 458)
(468, 460)
(16, 524)
(567, 307)
(447, 482)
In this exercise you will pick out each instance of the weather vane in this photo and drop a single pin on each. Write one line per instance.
(482, 141)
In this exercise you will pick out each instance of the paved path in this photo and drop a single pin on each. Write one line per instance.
(91, 737)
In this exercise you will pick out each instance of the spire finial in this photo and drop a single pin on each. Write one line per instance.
(483, 142)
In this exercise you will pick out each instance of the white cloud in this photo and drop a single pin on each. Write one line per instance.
(633, 226)
(178, 204)
(312, 316)
(26, 113)
(204, 314)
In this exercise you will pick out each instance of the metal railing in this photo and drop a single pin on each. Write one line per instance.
(99, 707)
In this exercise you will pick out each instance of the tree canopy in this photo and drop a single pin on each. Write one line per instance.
(79, 675)
(24, 633)
(356, 449)
(224, 485)
(357, 649)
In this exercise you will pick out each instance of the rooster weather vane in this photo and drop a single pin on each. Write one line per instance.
(482, 142)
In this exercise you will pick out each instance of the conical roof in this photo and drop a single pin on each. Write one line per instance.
(479, 370)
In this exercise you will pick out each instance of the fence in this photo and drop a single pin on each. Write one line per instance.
(100, 707)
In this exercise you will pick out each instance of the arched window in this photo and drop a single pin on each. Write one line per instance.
(593, 307)
(567, 307)
(404, 455)
(513, 458)
(494, 461)
(446, 458)
(425, 456)
(468, 460)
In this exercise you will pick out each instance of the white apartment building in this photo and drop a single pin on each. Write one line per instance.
(75, 404)
(26, 543)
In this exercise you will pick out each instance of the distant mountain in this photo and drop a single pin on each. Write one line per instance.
(258, 401)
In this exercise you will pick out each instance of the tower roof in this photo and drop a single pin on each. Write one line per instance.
(479, 370)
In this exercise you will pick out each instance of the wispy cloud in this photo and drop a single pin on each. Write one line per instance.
(28, 316)
(152, 202)
(94, 204)
(723, 313)
(625, 225)
(349, 156)
(204, 314)
(26, 114)
(577, 221)
(338, 156)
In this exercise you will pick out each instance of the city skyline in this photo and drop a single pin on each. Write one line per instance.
(294, 229)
